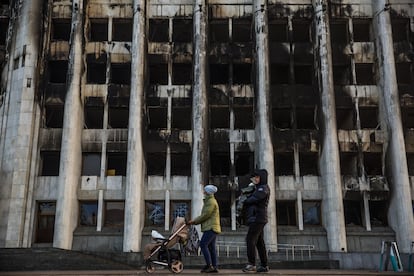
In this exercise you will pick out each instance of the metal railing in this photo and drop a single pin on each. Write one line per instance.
(292, 251)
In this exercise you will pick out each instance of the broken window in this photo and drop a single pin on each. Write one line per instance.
(378, 212)
(303, 74)
(284, 163)
(96, 69)
(219, 73)
(368, 117)
(154, 213)
(219, 163)
(243, 162)
(301, 31)
(219, 31)
(345, 118)
(400, 29)
(341, 74)
(181, 117)
(364, 73)
(361, 30)
(114, 213)
(182, 30)
(308, 163)
(305, 118)
(156, 163)
(57, 71)
(45, 222)
(94, 111)
(158, 30)
(373, 163)
(122, 29)
(116, 163)
(118, 117)
(121, 73)
(50, 163)
(181, 164)
(353, 212)
(339, 32)
(182, 73)
(278, 32)
(54, 116)
(279, 73)
(311, 212)
(281, 117)
(407, 117)
(219, 117)
(98, 30)
(158, 70)
(91, 163)
(404, 73)
(3, 31)
(242, 73)
(348, 161)
(243, 117)
(286, 212)
(157, 117)
(61, 29)
(241, 30)
(180, 209)
(88, 213)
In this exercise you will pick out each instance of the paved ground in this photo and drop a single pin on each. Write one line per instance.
(233, 272)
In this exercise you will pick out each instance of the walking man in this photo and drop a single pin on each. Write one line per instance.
(256, 207)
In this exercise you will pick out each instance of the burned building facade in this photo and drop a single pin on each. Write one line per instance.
(115, 113)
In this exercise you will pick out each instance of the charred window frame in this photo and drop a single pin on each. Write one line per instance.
(301, 31)
(181, 117)
(219, 117)
(219, 31)
(158, 30)
(365, 74)
(154, 213)
(117, 163)
(353, 212)
(373, 163)
(339, 32)
(54, 115)
(278, 31)
(118, 116)
(121, 73)
(98, 29)
(368, 117)
(91, 164)
(349, 163)
(61, 29)
(94, 112)
(88, 215)
(286, 212)
(362, 30)
(181, 163)
(158, 70)
(243, 117)
(57, 71)
(219, 73)
(243, 162)
(182, 30)
(96, 69)
(378, 213)
(182, 73)
(284, 163)
(242, 30)
(156, 163)
(122, 29)
(114, 213)
(242, 73)
(157, 117)
(50, 163)
(220, 163)
(308, 163)
(311, 213)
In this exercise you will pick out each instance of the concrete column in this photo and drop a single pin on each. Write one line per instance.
(134, 191)
(71, 149)
(200, 154)
(332, 204)
(400, 214)
(19, 125)
(264, 147)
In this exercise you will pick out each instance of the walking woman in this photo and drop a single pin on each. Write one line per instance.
(210, 226)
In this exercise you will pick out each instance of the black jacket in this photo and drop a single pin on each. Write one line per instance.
(257, 203)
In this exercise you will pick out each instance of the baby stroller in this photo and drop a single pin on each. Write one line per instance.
(162, 253)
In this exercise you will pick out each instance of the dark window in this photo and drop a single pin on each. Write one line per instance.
(219, 31)
(348, 163)
(242, 73)
(308, 164)
(114, 213)
(54, 116)
(98, 30)
(61, 29)
(243, 117)
(305, 118)
(400, 30)
(364, 73)
(282, 118)
(410, 162)
(156, 163)
(118, 117)
(284, 164)
(157, 117)
(368, 117)
(345, 118)
(91, 164)
(219, 117)
(241, 30)
(220, 163)
(181, 164)
(362, 30)
(50, 163)
(303, 74)
(154, 213)
(57, 71)
(404, 73)
(311, 212)
(182, 73)
(117, 163)
(341, 74)
(94, 111)
(158, 30)
(181, 118)
(219, 73)
(180, 209)
(3, 31)
(182, 30)
(286, 212)
(279, 73)
(96, 69)
(244, 163)
(122, 29)
(407, 116)
(339, 32)
(278, 32)
(88, 213)
(45, 222)
(158, 74)
(121, 73)
(353, 212)
(301, 31)
(378, 212)
(373, 163)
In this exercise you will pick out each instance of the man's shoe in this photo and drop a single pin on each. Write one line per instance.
(262, 269)
(249, 268)
(209, 269)
(215, 270)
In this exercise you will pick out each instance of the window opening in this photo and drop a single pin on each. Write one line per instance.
(181, 164)
(279, 73)
(286, 212)
(305, 118)
(50, 163)
(378, 212)
(117, 163)
(122, 29)
(57, 71)
(156, 163)
(219, 31)
(182, 30)
(353, 212)
(373, 163)
(342, 74)
(114, 213)
(54, 116)
(243, 117)
(349, 161)
(284, 164)
(281, 118)
(308, 164)
(121, 73)
(368, 117)
(242, 73)
(45, 225)
(96, 69)
(220, 163)
(98, 30)
(219, 117)
(219, 73)
(364, 73)
(278, 32)
(91, 164)
(61, 29)
(181, 117)
(339, 32)
(88, 213)
(94, 111)
(154, 213)
(301, 31)
(361, 30)
(345, 118)
(118, 117)
(158, 30)
(182, 73)
(180, 209)
(244, 163)
(303, 74)
(311, 212)
(157, 117)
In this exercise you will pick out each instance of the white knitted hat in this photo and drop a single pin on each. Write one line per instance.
(210, 189)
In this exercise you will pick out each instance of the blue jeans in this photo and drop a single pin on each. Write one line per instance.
(208, 247)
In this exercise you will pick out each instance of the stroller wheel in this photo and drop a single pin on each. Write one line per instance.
(176, 267)
(149, 268)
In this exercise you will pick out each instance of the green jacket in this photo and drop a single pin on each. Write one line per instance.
(210, 215)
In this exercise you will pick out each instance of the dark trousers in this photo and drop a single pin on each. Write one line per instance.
(254, 239)
(208, 247)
